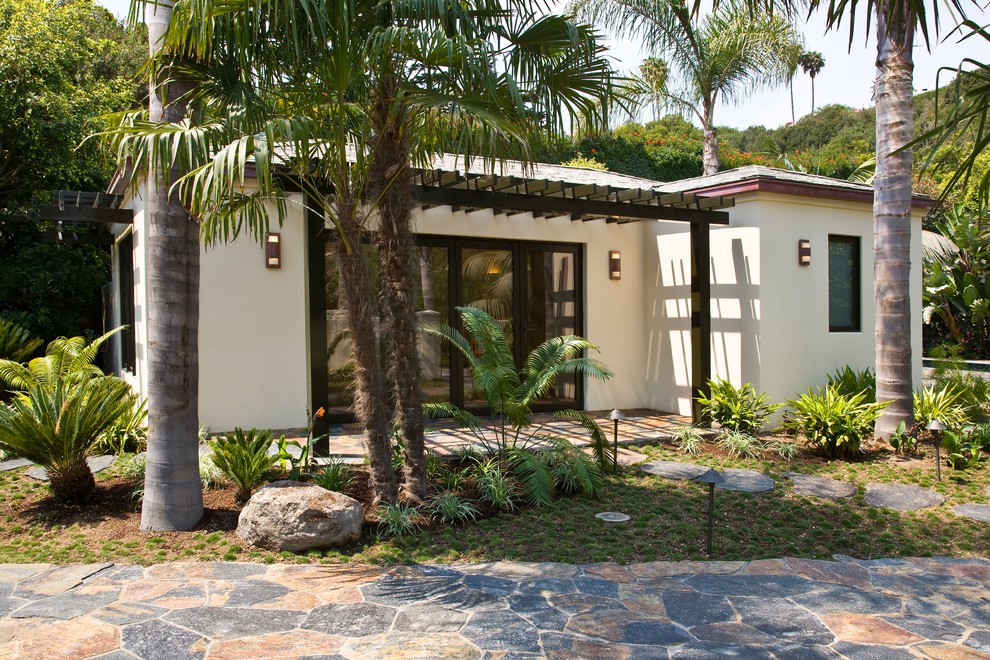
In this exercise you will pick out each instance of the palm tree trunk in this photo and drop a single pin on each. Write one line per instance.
(390, 185)
(892, 218)
(812, 95)
(790, 83)
(709, 154)
(173, 493)
(369, 399)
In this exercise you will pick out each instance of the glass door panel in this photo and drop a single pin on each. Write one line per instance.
(432, 264)
(486, 283)
(551, 310)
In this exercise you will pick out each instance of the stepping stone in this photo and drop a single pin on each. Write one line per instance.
(13, 464)
(674, 469)
(746, 481)
(902, 497)
(979, 512)
(96, 464)
(805, 484)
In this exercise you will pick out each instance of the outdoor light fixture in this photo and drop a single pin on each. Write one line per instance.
(804, 252)
(273, 250)
(614, 265)
(936, 427)
(711, 478)
(616, 416)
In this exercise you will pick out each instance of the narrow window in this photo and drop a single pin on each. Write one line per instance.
(843, 284)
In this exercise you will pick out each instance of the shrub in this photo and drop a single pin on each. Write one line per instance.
(931, 404)
(785, 450)
(973, 390)
(495, 486)
(961, 452)
(209, 474)
(16, 342)
(55, 425)
(397, 520)
(902, 440)
(449, 508)
(244, 458)
(573, 471)
(737, 444)
(334, 476)
(835, 423)
(737, 408)
(848, 381)
(128, 434)
(688, 439)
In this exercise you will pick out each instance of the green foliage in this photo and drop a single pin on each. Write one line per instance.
(449, 509)
(66, 360)
(210, 474)
(834, 422)
(902, 440)
(397, 520)
(979, 435)
(64, 64)
(533, 475)
(785, 450)
(16, 343)
(688, 439)
(132, 466)
(739, 444)
(581, 161)
(848, 381)
(334, 476)
(244, 458)
(55, 425)
(495, 486)
(573, 471)
(973, 390)
(128, 434)
(737, 408)
(962, 453)
(932, 403)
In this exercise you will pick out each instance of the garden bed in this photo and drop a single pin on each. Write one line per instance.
(668, 520)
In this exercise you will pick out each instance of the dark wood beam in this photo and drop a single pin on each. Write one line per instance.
(87, 214)
(556, 206)
(701, 317)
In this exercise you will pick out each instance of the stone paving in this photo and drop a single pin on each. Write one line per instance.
(777, 608)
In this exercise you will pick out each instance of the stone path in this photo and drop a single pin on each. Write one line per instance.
(778, 608)
(805, 484)
(979, 512)
(902, 497)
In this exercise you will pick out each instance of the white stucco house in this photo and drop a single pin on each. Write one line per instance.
(756, 274)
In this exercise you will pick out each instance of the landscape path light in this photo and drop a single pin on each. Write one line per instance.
(936, 427)
(616, 416)
(711, 478)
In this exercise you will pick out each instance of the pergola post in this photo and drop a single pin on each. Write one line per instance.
(701, 316)
(317, 283)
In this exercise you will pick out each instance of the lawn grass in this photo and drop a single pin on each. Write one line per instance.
(668, 523)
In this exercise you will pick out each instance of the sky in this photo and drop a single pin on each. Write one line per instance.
(846, 79)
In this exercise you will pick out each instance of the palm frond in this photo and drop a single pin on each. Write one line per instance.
(601, 448)
(533, 474)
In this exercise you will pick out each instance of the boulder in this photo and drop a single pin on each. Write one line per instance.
(293, 516)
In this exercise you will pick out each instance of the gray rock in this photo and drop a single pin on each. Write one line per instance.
(157, 640)
(232, 622)
(96, 464)
(350, 620)
(674, 469)
(746, 481)
(68, 605)
(902, 497)
(13, 464)
(979, 512)
(805, 484)
(293, 516)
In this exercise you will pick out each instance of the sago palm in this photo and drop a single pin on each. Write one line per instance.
(55, 425)
(65, 360)
(16, 342)
(511, 393)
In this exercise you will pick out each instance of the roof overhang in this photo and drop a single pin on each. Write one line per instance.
(84, 217)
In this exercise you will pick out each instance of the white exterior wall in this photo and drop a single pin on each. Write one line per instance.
(254, 346)
(613, 317)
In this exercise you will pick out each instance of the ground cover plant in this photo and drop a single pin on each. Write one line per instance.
(668, 516)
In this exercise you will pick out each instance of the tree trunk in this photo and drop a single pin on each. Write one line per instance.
(892, 219)
(370, 404)
(73, 484)
(173, 493)
(812, 95)
(709, 156)
(390, 185)
(791, 85)
(426, 278)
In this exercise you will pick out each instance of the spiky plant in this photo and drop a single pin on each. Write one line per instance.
(511, 393)
(56, 425)
(244, 457)
(65, 360)
(16, 342)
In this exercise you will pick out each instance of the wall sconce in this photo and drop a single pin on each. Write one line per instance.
(273, 250)
(614, 265)
(804, 252)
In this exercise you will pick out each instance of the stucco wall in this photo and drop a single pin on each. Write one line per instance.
(614, 317)
(253, 359)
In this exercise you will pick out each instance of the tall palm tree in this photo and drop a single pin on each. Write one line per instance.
(173, 494)
(812, 63)
(330, 95)
(727, 55)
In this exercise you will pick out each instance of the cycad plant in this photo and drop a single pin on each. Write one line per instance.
(55, 425)
(16, 342)
(66, 360)
(244, 457)
(511, 393)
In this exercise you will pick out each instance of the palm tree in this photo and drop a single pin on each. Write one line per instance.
(812, 63)
(330, 97)
(173, 494)
(727, 55)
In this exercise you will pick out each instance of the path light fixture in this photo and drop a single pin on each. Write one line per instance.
(711, 478)
(616, 416)
(936, 427)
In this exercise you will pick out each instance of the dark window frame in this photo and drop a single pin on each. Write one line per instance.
(856, 288)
